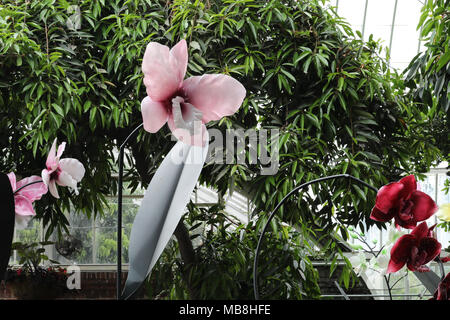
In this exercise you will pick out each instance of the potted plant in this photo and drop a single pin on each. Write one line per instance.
(31, 280)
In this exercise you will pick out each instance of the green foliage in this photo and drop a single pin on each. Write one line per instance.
(338, 107)
(428, 74)
(224, 249)
(31, 255)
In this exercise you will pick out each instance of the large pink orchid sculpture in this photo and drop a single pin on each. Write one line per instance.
(26, 191)
(186, 105)
(63, 172)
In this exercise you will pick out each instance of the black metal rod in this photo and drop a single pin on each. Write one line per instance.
(119, 213)
(272, 215)
(28, 184)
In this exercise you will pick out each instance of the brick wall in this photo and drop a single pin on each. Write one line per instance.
(94, 285)
(102, 285)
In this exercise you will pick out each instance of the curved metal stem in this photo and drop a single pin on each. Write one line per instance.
(28, 184)
(119, 212)
(272, 215)
(387, 279)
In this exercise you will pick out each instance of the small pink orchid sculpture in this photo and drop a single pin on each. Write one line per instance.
(25, 196)
(186, 105)
(63, 172)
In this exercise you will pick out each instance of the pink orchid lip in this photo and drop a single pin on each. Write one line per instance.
(210, 96)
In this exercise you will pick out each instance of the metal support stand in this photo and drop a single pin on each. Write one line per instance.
(119, 213)
(272, 215)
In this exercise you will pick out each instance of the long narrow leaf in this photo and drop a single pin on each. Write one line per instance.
(162, 207)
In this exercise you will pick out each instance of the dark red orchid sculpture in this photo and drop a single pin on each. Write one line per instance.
(443, 290)
(402, 201)
(415, 250)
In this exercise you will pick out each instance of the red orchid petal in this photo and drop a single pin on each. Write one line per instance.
(410, 224)
(379, 215)
(410, 184)
(442, 293)
(424, 206)
(388, 196)
(401, 252)
(215, 95)
(421, 231)
(432, 247)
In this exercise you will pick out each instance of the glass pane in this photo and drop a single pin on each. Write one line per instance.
(379, 20)
(106, 231)
(31, 234)
(82, 236)
(353, 12)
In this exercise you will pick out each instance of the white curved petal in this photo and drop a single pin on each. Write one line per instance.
(52, 188)
(61, 148)
(73, 167)
(45, 176)
(66, 180)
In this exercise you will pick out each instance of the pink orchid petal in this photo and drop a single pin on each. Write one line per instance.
(12, 180)
(154, 114)
(73, 167)
(164, 69)
(61, 149)
(34, 191)
(179, 54)
(52, 188)
(24, 206)
(197, 139)
(52, 162)
(215, 95)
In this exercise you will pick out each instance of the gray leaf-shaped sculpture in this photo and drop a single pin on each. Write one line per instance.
(161, 209)
(429, 279)
(7, 220)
